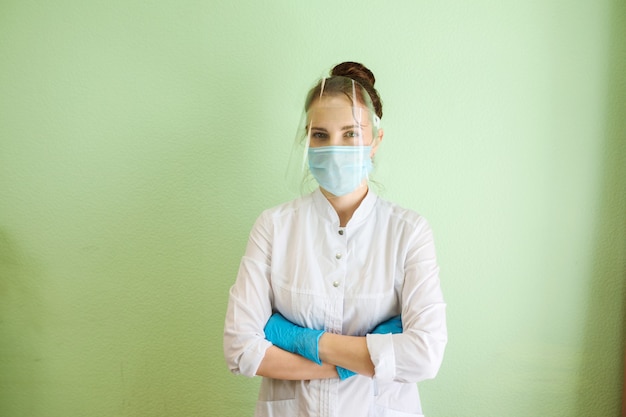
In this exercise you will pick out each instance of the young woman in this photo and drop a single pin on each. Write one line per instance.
(337, 303)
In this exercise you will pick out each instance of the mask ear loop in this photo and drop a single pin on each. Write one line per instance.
(376, 123)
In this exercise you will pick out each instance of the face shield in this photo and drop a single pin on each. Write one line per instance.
(336, 138)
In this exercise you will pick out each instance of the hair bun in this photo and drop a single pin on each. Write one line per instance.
(362, 75)
(358, 72)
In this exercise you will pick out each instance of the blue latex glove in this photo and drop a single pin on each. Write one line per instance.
(344, 373)
(393, 325)
(293, 338)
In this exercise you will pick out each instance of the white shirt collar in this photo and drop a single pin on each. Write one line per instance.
(326, 210)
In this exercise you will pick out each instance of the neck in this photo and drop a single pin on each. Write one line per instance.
(346, 205)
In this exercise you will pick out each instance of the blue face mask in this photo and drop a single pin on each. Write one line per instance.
(340, 169)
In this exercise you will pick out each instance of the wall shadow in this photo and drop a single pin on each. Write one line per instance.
(601, 376)
(22, 367)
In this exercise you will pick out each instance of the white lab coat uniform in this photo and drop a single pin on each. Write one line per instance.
(345, 280)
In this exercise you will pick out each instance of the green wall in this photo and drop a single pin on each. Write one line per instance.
(139, 141)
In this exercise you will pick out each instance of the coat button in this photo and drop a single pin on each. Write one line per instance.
(336, 284)
(341, 232)
(338, 256)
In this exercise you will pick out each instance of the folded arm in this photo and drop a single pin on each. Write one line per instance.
(348, 352)
(280, 364)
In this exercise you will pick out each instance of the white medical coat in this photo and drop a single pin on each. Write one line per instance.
(344, 280)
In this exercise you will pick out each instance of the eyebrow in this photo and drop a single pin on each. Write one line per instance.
(348, 127)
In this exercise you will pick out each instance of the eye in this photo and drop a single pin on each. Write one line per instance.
(353, 134)
(319, 135)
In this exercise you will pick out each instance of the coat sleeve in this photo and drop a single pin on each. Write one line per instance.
(250, 304)
(415, 354)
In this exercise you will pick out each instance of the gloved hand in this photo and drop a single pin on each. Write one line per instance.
(344, 373)
(293, 338)
(393, 325)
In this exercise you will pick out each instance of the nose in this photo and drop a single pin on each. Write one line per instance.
(336, 139)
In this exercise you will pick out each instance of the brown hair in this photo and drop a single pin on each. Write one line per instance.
(336, 83)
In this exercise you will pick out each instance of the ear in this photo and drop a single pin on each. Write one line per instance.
(377, 141)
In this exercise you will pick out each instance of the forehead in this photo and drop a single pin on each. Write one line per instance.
(336, 110)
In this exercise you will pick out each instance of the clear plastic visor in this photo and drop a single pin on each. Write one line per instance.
(329, 123)
(334, 142)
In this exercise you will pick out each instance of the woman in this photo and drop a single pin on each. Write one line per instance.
(337, 303)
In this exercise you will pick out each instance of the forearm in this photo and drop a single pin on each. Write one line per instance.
(280, 364)
(349, 352)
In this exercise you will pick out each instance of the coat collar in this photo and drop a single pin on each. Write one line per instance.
(362, 212)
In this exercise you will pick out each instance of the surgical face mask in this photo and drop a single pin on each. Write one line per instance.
(340, 169)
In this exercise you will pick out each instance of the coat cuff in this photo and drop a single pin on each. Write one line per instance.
(382, 355)
(250, 360)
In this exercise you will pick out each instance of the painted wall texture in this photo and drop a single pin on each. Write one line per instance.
(140, 140)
